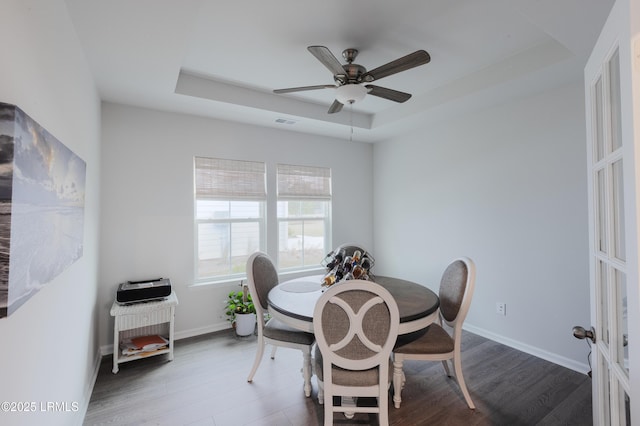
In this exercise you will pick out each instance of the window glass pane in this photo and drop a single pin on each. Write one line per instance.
(288, 209)
(601, 238)
(223, 248)
(302, 233)
(213, 249)
(614, 95)
(290, 244)
(603, 291)
(302, 243)
(212, 209)
(606, 396)
(622, 324)
(314, 242)
(302, 208)
(625, 408)
(598, 131)
(245, 239)
(618, 211)
(314, 208)
(245, 209)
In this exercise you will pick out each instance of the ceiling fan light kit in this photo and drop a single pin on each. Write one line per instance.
(349, 77)
(350, 93)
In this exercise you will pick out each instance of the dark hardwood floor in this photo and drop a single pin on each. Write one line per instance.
(206, 385)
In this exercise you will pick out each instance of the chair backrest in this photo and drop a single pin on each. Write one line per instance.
(262, 276)
(456, 290)
(356, 325)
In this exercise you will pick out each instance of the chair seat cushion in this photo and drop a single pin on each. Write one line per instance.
(277, 330)
(344, 377)
(435, 340)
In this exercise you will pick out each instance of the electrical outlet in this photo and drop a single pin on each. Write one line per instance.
(501, 308)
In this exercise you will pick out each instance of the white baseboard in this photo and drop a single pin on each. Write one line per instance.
(89, 389)
(202, 330)
(531, 350)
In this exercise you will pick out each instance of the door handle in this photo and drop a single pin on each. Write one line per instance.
(581, 333)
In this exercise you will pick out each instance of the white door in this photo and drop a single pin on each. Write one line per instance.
(612, 94)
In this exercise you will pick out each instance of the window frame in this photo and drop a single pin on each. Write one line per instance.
(269, 220)
(201, 194)
(320, 191)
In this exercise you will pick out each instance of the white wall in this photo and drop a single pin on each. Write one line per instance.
(49, 345)
(505, 186)
(147, 204)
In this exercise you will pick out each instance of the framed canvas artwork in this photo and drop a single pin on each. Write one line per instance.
(42, 191)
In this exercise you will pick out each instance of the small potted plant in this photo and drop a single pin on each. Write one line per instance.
(241, 312)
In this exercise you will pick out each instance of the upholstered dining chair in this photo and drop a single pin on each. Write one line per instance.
(356, 325)
(435, 343)
(262, 276)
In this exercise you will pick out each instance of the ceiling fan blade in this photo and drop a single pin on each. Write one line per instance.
(336, 106)
(390, 94)
(412, 60)
(325, 56)
(303, 88)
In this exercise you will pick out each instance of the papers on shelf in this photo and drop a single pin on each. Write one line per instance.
(143, 344)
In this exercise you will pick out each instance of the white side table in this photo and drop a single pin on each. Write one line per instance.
(143, 319)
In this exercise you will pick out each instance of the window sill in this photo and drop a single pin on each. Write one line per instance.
(218, 283)
(289, 275)
(284, 276)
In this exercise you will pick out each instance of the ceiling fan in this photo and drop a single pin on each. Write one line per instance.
(349, 77)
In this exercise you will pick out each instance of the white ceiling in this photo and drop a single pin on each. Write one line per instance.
(222, 59)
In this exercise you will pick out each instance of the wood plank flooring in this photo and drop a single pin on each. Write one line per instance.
(206, 385)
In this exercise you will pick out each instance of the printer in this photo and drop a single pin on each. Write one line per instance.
(143, 291)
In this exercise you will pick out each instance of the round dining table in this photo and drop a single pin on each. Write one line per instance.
(293, 302)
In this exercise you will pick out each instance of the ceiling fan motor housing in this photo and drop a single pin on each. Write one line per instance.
(353, 72)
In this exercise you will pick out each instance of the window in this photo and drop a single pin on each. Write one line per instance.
(230, 199)
(304, 215)
(231, 222)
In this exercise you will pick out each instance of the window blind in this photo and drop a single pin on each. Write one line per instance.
(296, 182)
(229, 179)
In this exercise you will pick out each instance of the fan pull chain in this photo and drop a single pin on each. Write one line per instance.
(351, 120)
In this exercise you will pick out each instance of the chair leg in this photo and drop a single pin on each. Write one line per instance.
(445, 364)
(320, 392)
(328, 413)
(306, 371)
(345, 403)
(273, 352)
(383, 409)
(458, 368)
(398, 380)
(256, 363)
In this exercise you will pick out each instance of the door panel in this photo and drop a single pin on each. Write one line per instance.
(613, 152)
